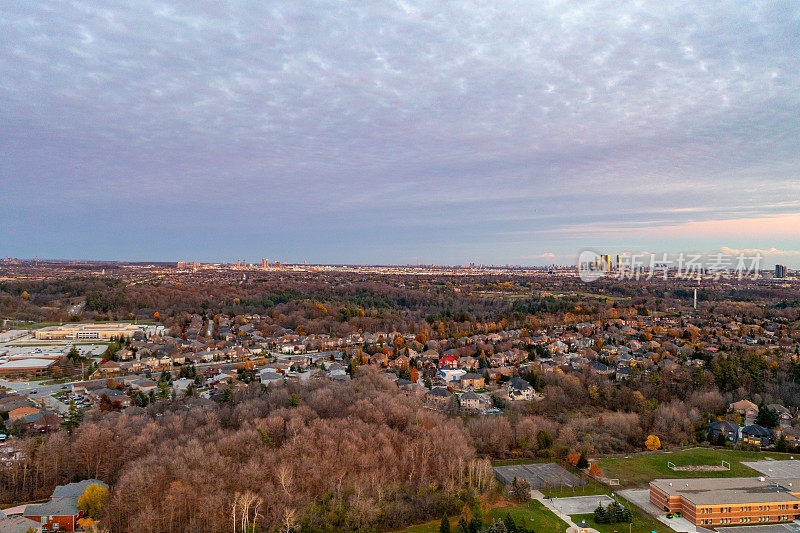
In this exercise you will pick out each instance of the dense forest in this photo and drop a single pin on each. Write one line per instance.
(340, 303)
(311, 457)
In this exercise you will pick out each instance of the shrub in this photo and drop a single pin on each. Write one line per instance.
(582, 462)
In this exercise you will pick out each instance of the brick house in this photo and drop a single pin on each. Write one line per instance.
(472, 381)
(61, 513)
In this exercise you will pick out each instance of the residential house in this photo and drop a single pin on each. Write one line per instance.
(519, 389)
(468, 362)
(21, 412)
(19, 524)
(784, 415)
(471, 401)
(746, 408)
(601, 368)
(756, 435)
(43, 421)
(722, 428)
(449, 375)
(438, 396)
(180, 386)
(144, 385)
(792, 435)
(400, 361)
(109, 368)
(472, 381)
(118, 398)
(61, 512)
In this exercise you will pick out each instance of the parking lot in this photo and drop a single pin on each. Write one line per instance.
(776, 469)
(539, 475)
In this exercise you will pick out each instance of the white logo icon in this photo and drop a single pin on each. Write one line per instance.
(590, 266)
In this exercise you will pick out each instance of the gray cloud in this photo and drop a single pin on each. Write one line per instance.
(467, 119)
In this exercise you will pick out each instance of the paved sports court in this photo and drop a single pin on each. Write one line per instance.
(776, 469)
(539, 475)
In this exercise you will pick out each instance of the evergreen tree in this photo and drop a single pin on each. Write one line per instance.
(163, 390)
(521, 489)
(769, 418)
(582, 462)
(600, 515)
(511, 527)
(444, 527)
(73, 418)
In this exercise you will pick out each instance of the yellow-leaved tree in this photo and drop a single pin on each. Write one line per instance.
(92, 500)
(652, 443)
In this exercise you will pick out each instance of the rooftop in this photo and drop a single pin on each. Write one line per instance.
(734, 490)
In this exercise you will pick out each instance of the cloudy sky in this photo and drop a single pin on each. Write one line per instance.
(398, 132)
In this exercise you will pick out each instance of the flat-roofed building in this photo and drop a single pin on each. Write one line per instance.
(29, 366)
(86, 331)
(729, 501)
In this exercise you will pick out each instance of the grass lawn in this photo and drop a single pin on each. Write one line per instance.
(640, 524)
(427, 527)
(533, 515)
(639, 470)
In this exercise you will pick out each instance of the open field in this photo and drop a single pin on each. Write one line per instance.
(591, 295)
(533, 515)
(639, 470)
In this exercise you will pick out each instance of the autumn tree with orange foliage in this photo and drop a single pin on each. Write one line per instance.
(652, 443)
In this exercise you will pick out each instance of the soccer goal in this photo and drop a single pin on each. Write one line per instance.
(670, 465)
(613, 482)
(726, 465)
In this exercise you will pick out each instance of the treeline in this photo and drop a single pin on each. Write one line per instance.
(387, 302)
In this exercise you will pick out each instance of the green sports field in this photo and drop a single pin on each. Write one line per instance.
(639, 470)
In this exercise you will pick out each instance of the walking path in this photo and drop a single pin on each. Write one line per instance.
(536, 495)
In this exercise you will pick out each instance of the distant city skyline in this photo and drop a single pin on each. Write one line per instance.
(398, 132)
